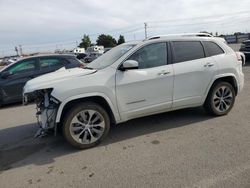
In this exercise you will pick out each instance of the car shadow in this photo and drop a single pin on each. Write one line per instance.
(12, 105)
(17, 143)
(247, 63)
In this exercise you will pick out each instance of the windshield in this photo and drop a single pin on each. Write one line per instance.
(110, 57)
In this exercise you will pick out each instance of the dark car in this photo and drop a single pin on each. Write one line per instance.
(14, 76)
(91, 57)
(245, 48)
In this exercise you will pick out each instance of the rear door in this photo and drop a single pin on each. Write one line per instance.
(21, 72)
(193, 72)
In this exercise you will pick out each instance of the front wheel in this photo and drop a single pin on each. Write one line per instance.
(86, 125)
(220, 99)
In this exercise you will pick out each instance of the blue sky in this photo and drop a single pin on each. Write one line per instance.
(43, 25)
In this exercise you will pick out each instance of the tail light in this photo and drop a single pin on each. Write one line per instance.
(238, 56)
(81, 66)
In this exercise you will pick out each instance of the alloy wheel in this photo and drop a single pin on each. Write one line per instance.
(87, 126)
(223, 98)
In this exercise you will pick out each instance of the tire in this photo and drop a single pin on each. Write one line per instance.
(86, 125)
(219, 105)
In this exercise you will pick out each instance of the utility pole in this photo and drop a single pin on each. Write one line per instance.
(21, 50)
(145, 27)
(16, 49)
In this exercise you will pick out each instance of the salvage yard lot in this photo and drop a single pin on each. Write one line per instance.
(185, 148)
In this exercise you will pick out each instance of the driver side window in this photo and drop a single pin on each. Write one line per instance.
(23, 67)
(152, 55)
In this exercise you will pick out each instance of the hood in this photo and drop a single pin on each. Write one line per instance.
(51, 79)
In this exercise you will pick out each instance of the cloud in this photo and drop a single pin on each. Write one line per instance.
(35, 22)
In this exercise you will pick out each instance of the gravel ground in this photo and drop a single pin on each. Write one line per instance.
(185, 148)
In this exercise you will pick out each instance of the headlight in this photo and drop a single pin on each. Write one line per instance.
(25, 99)
(54, 100)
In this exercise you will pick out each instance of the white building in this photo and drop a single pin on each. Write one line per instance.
(79, 51)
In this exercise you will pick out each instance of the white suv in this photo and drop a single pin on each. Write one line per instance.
(137, 79)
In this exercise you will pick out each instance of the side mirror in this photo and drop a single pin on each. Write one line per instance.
(6, 74)
(129, 64)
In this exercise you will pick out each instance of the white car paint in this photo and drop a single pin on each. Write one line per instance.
(136, 93)
(132, 91)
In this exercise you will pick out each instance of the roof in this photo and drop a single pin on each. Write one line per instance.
(50, 55)
(182, 35)
(185, 37)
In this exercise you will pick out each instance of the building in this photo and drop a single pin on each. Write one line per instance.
(79, 51)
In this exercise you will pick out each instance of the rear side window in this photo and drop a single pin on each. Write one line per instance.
(212, 48)
(51, 62)
(187, 51)
(74, 61)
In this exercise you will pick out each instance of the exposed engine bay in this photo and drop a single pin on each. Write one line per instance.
(46, 106)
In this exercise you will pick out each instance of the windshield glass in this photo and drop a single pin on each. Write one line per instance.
(110, 57)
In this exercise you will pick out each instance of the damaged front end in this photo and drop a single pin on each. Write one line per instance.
(47, 107)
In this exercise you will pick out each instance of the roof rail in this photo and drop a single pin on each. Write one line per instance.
(181, 35)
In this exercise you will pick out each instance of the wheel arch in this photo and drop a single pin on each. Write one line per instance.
(100, 99)
(230, 78)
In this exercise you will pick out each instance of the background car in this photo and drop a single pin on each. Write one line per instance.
(14, 76)
(91, 57)
(81, 56)
(245, 48)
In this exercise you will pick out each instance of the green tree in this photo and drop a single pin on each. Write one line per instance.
(121, 40)
(86, 42)
(106, 40)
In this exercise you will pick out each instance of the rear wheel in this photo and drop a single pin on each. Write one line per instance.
(86, 125)
(220, 99)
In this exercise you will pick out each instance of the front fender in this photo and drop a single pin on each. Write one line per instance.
(85, 95)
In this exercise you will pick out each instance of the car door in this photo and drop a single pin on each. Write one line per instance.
(193, 73)
(149, 88)
(20, 73)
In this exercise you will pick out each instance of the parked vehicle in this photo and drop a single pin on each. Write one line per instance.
(92, 53)
(137, 79)
(95, 49)
(245, 48)
(81, 57)
(7, 61)
(14, 76)
(91, 57)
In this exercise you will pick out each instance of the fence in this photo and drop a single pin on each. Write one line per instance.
(236, 38)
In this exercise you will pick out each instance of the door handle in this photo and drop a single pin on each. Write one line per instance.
(162, 73)
(209, 65)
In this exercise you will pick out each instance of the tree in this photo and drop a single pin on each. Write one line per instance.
(106, 40)
(121, 39)
(86, 42)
